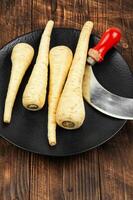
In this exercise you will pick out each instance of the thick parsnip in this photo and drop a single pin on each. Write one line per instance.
(21, 58)
(70, 111)
(86, 81)
(60, 62)
(35, 92)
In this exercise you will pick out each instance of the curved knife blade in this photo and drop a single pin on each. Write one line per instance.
(103, 100)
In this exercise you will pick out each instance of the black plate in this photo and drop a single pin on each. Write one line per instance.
(28, 130)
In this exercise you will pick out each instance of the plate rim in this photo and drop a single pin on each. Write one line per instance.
(64, 154)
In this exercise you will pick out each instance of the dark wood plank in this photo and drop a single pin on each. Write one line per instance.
(15, 19)
(116, 163)
(14, 172)
(39, 177)
(46, 173)
(115, 157)
(56, 179)
(41, 13)
(81, 177)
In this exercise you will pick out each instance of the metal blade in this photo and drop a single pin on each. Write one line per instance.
(103, 100)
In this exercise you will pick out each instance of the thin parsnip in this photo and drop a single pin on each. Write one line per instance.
(21, 58)
(60, 62)
(70, 110)
(35, 92)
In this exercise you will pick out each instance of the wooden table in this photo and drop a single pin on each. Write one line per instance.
(105, 173)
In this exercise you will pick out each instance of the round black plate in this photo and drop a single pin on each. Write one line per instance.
(28, 130)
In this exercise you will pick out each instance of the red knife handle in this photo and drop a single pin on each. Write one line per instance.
(109, 39)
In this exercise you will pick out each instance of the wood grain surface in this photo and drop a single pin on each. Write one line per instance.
(105, 173)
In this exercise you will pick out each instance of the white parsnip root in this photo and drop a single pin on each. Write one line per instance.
(21, 58)
(35, 92)
(60, 62)
(86, 82)
(70, 111)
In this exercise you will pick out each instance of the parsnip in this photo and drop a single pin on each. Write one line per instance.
(35, 92)
(21, 58)
(60, 61)
(70, 110)
(86, 81)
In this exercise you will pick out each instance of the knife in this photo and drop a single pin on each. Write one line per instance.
(93, 92)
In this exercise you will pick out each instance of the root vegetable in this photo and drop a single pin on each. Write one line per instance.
(60, 61)
(21, 58)
(70, 111)
(35, 92)
(86, 82)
